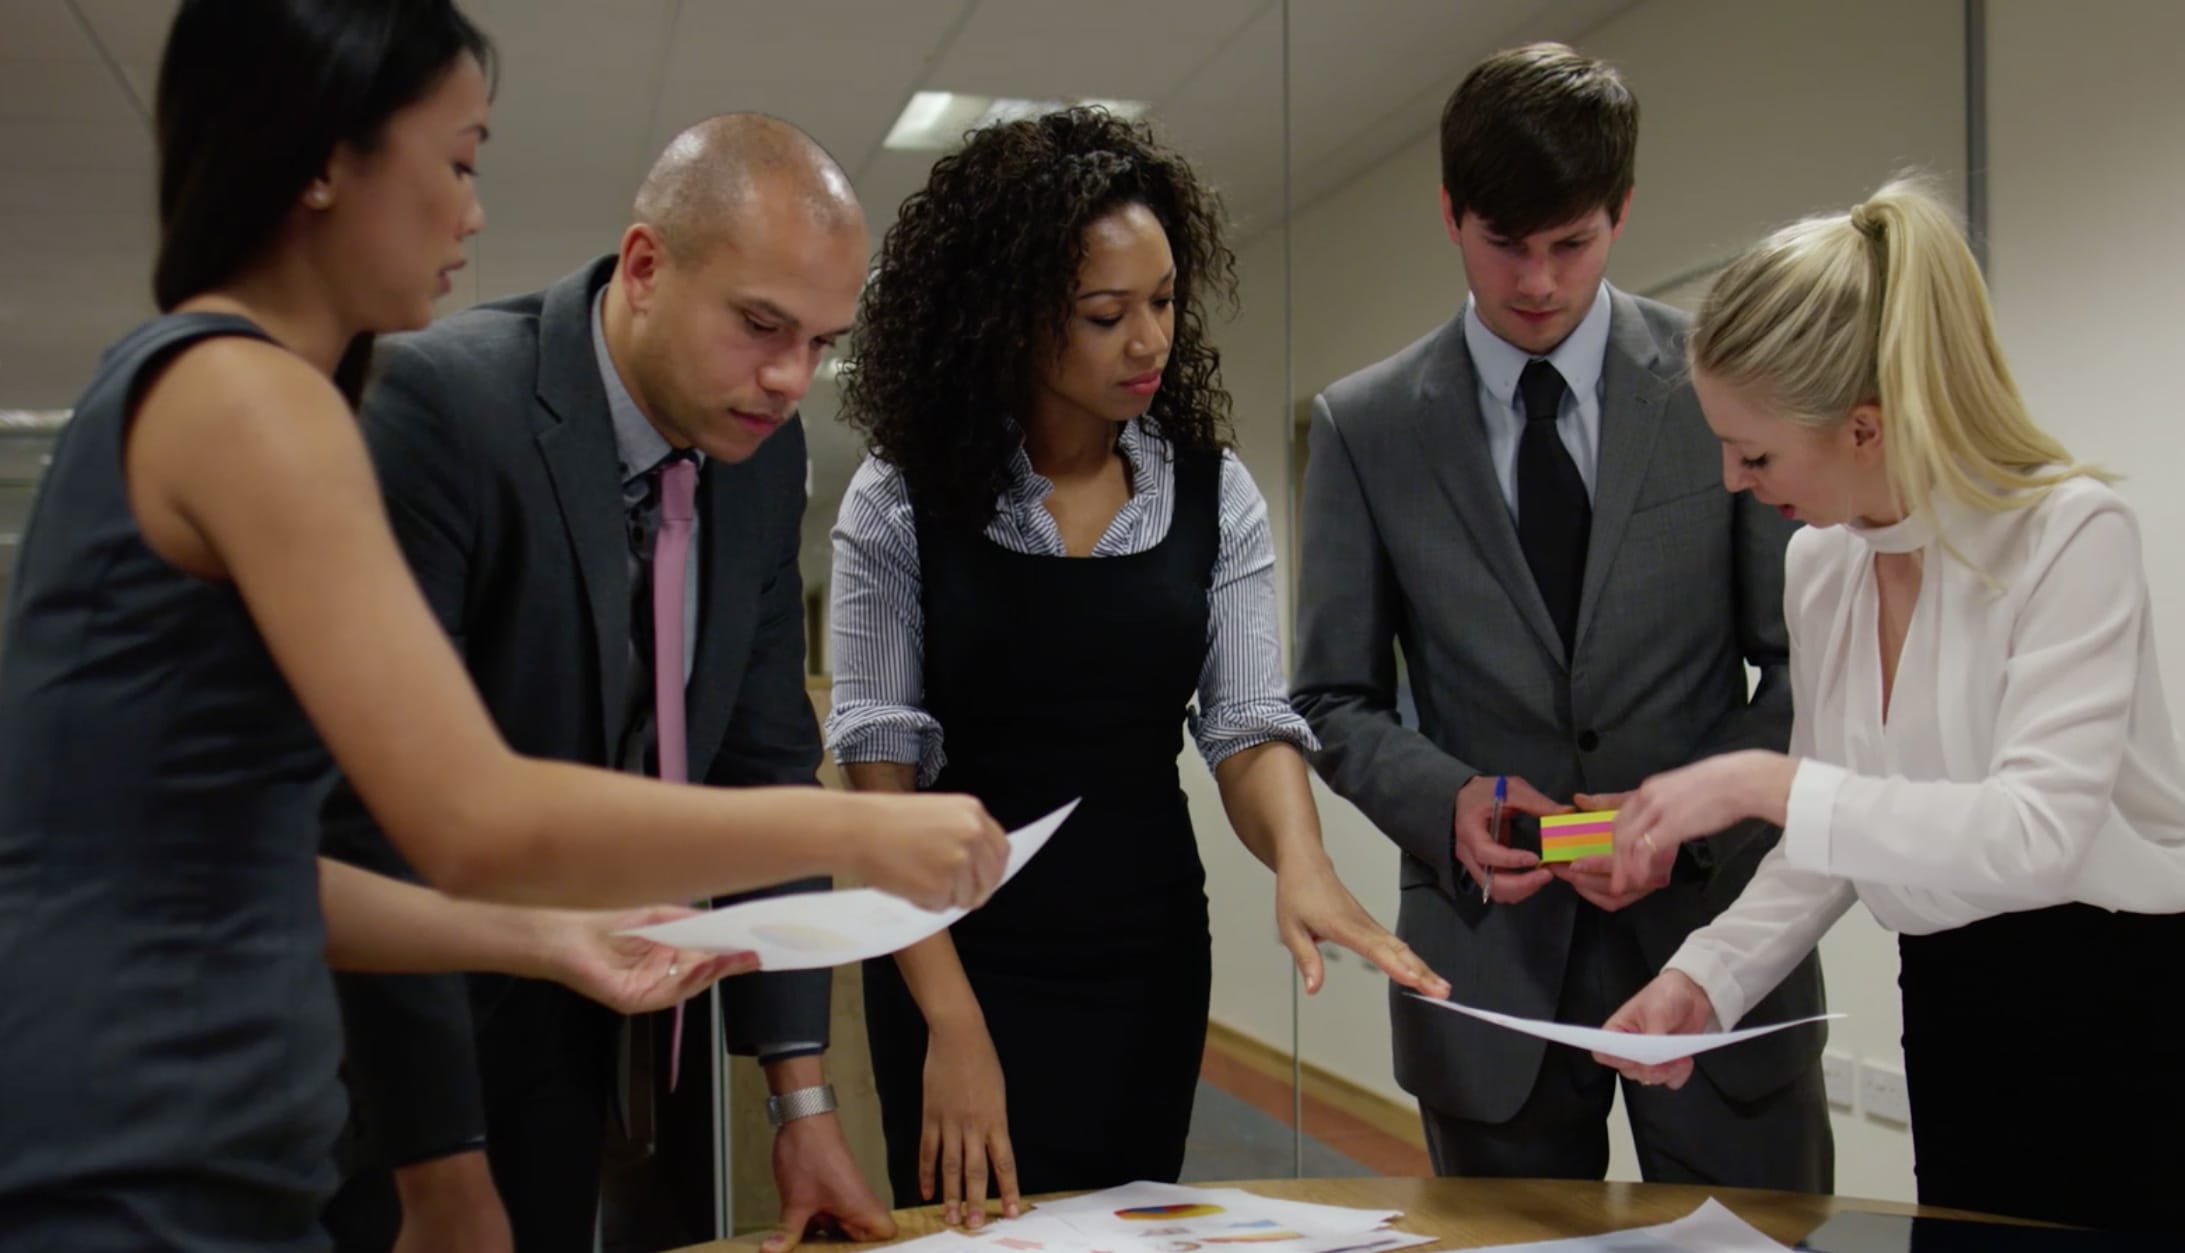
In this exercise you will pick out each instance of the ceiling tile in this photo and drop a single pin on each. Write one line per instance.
(143, 79)
(1123, 49)
(840, 69)
(1227, 119)
(42, 30)
(721, 23)
(41, 149)
(52, 90)
(590, 89)
(130, 30)
(1361, 90)
(576, 83)
(66, 193)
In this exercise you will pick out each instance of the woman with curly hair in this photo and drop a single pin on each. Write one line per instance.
(1034, 377)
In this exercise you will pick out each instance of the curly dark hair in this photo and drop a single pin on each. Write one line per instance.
(974, 286)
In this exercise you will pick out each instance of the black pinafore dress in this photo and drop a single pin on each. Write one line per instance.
(1055, 679)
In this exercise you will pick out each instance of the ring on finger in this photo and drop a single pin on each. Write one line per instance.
(1647, 838)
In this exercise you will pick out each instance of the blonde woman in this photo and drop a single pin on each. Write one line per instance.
(1982, 751)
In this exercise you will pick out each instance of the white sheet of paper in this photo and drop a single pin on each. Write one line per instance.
(1386, 1240)
(1038, 1233)
(809, 930)
(1307, 1214)
(1647, 1050)
(1711, 1228)
(1032, 1233)
(1172, 1218)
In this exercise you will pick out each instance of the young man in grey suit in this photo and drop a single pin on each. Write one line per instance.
(522, 447)
(1528, 501)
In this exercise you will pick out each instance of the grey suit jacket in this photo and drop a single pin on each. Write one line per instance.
(496, 455)
(1406, 540)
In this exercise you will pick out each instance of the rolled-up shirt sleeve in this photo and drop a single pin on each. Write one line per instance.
(876, 628)
(1243, 700)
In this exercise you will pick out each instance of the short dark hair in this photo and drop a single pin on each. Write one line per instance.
(253, 97)
(972, 291)
(1538, 136)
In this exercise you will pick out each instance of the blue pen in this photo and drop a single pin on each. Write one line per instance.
(1494, 832)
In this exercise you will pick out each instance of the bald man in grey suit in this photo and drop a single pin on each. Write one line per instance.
(1529, 501)
(520, 446)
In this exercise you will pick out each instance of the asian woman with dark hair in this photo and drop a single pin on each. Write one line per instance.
(209, 613)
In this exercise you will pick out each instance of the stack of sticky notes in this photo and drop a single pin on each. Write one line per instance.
(1568, 837)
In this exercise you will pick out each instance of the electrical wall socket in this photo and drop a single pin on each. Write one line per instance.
(1840, 1074)
(1883, 1094)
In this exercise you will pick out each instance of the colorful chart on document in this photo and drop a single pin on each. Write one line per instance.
(1167, 1213)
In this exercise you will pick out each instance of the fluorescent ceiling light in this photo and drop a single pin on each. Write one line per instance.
(934, 120)
(13, 421)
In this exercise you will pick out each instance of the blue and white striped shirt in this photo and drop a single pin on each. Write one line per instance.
(878, 619)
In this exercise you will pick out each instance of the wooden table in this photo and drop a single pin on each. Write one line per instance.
(1476, 1213)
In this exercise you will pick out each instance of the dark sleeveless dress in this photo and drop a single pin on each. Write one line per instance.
(1056, 678)
(168, 1031)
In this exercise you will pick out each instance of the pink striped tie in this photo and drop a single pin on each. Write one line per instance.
(671, 549)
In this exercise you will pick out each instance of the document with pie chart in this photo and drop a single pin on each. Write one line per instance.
(810, 930)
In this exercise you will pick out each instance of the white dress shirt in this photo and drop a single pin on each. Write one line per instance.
(2027, 759)
(1498, 364)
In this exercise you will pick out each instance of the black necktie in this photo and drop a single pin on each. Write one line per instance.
(1553, 514)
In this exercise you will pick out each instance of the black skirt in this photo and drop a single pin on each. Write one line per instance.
(2046, 1066)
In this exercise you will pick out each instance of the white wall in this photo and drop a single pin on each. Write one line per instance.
(1251, 970)
(1752, 114)
(2086, 260)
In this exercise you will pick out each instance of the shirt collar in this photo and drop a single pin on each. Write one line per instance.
(1578, 358)
(1029, 487)
(639, 446)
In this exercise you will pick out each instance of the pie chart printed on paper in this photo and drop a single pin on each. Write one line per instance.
(1165, 1213)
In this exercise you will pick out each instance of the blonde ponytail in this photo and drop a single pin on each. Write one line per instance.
(1885, 304)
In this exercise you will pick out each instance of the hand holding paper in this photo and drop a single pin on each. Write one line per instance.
(935, 850)
(1644, 1050)
(1673, 1004)
(809, 930)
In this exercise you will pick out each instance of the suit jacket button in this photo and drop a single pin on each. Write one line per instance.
(1588, 741)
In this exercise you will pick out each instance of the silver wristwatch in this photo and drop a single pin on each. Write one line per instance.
(802, 1103)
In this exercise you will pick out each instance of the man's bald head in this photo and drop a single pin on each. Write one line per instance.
(742, 269)
(711, 173)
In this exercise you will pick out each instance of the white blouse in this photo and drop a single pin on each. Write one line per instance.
(2027, 760)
